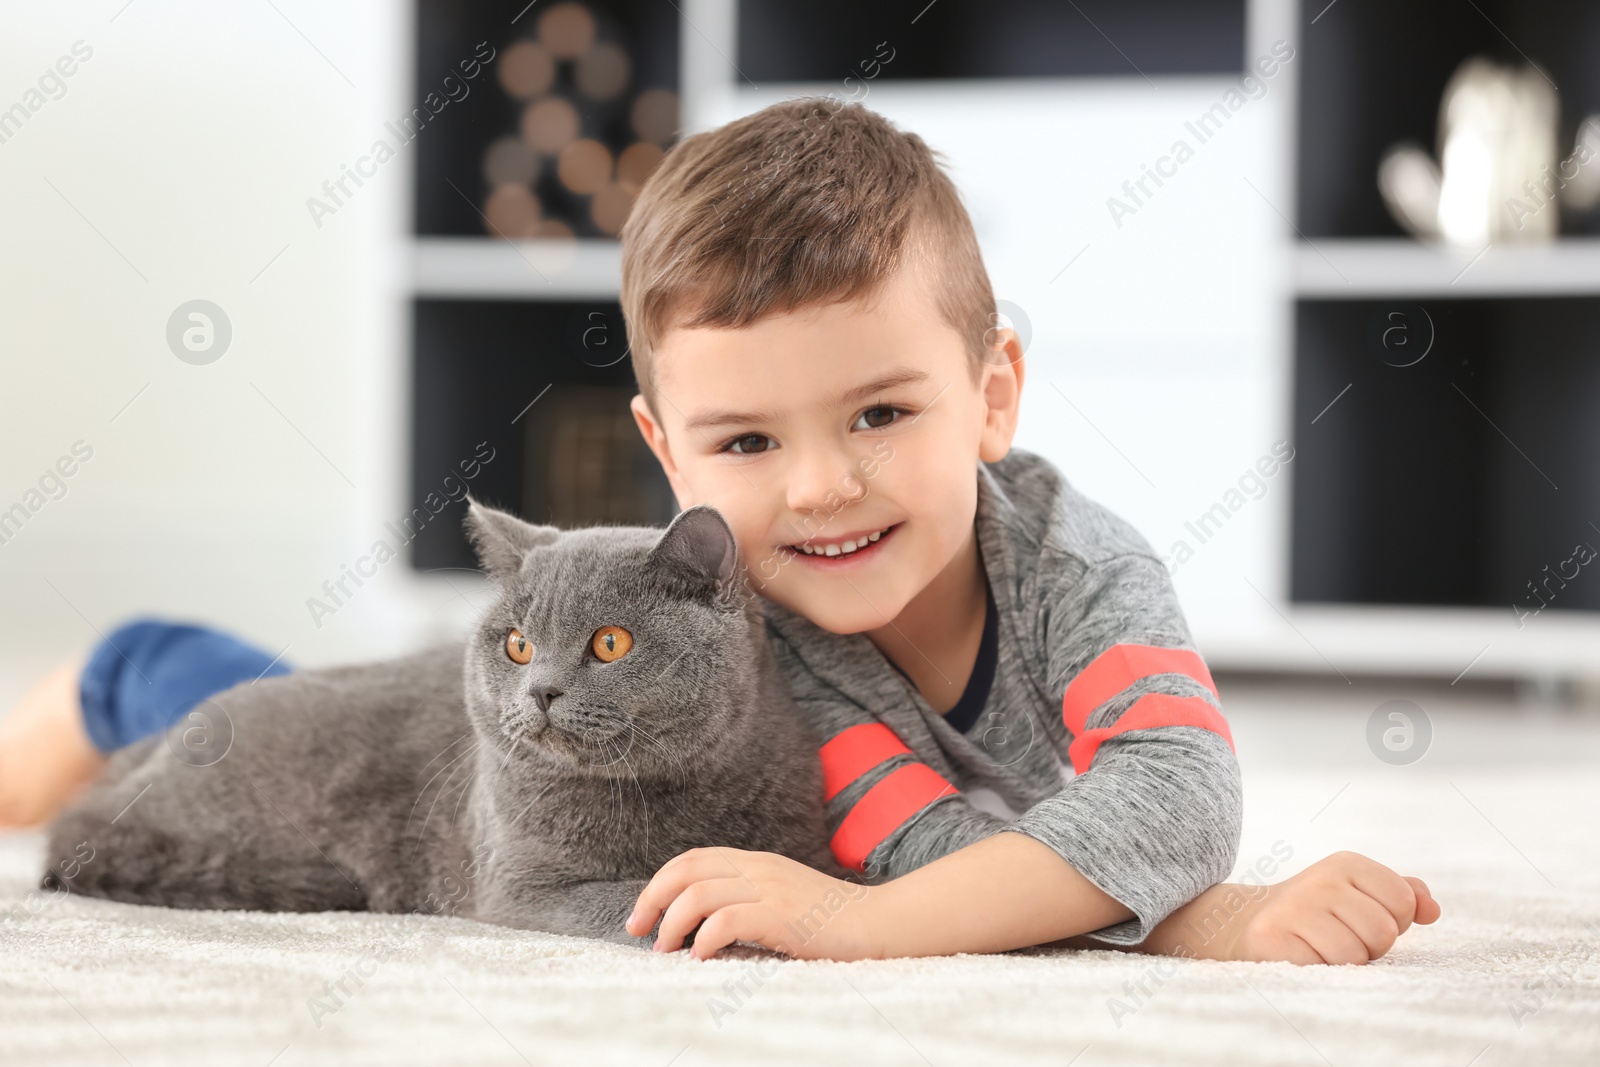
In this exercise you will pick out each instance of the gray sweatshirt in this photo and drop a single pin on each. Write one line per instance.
(1102, 735)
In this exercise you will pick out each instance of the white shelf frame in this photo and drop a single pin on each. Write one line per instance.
(488, 268)
(1378, 267)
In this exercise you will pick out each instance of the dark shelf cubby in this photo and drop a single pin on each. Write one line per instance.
(830, 40)
(1372, 73)
(451, 187)
(1458, 479)
(572, 458)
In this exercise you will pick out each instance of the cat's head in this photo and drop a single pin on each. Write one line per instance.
(610, 650)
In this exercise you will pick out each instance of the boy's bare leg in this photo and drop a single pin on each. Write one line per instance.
(1345, 908)
(46, 756)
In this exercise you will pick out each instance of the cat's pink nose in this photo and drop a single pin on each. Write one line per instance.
(544, 696)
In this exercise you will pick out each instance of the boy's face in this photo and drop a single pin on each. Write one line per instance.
(826, 425)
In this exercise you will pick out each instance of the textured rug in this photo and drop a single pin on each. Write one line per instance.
(1510, 975)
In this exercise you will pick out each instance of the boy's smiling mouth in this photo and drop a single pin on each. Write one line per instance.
(835, 551)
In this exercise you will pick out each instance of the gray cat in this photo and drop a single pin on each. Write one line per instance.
(616, 706)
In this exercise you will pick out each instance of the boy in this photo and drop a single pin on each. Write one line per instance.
(811, 329)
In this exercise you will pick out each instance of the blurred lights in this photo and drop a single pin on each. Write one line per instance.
(602, 72)
(610, 208)
(550, 124)
(512, 211)
(585, 166)
(510, 161)
(655, 115)
(526, 70)
(567, 30)
(573, 129)
(636, 163)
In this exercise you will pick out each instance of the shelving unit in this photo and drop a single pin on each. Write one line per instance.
(1180, 338)
(1431, 496)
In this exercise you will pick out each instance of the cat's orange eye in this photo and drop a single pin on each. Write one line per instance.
(519, 648)
(611, 643)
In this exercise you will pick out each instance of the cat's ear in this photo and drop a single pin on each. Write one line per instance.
(502, 540)
(699, 544)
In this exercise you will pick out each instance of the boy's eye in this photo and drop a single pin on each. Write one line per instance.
(519, 648)
(749, 444)
(610, 643)
(877, 418)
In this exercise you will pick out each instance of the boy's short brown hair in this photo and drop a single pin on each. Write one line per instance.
(802, 203)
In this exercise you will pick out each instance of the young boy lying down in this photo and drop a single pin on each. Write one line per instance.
(1020, 743)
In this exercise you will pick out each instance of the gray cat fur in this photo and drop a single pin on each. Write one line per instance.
(437, 783)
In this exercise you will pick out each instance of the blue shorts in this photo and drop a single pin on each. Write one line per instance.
(147, 674)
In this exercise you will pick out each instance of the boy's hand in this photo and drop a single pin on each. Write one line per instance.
(1342, 909)
(734, 895)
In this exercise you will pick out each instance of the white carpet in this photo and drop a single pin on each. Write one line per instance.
(1511, 975)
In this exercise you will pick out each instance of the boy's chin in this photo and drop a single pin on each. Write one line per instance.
(824, 608)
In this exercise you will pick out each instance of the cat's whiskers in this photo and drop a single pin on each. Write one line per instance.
(442, 790)
(615, 809)
(456, 814)
(644, 804)
(440, 771)
(538, 795)
(465, 734)
(671, 758)
(423, 831)
(510, 751)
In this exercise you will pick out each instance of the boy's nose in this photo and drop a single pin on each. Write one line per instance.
(822, 476)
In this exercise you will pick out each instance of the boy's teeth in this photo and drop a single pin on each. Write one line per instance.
(842, 548)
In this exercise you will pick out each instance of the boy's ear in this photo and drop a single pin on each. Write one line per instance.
(501, 539)
(699, 545)
(655, 436)
(1001, 384)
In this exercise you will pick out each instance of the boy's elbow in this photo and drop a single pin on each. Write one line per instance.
(1220, 811)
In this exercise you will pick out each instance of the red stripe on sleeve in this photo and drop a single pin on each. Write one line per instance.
(1119, 667)
(1151, 710)
(853, 752)
(884, 809)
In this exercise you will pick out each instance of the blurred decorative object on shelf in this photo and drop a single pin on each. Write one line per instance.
(510, 161)
(655, 116)
(581, 106)
(1497, 170)
(584, 166)
(550, 124)
(636, 163)
(512, 211)
(585, 463)
(571, 82)
(567, 30)
(603, 71)
(610, 208)
(527, 69)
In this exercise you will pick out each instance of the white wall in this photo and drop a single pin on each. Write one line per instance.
(189, 142)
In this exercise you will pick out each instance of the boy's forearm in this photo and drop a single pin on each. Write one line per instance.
(1006, 891)
(1205, 928)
